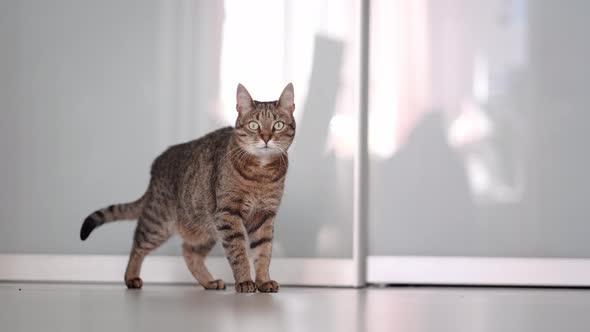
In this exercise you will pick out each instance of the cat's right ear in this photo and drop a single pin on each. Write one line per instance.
(243, 100)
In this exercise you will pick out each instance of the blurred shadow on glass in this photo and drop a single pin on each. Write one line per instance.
(416, 192)
(312, 175)
(472, 63)
(482, 60)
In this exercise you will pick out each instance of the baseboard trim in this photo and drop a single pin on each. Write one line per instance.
(168, 269)
(418, 270)
(487, 271)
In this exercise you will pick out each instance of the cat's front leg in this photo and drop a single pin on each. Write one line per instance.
(260, 232)
(229, 224)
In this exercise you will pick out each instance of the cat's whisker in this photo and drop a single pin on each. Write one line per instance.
(236, 148)
(282, 154)
(239, 156)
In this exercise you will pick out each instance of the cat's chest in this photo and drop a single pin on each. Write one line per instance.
(259, 199)
(255, 174)
(255, 199)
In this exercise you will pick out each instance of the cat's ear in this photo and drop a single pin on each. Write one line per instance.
(243, 100)
(287, 99)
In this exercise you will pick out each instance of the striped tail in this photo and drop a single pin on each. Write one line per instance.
(111, 213)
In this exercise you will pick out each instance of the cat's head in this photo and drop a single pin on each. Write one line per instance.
(265, 129)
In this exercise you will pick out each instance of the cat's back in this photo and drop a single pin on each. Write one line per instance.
(201, 153)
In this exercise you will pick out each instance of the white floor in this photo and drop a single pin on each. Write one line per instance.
(74, 307)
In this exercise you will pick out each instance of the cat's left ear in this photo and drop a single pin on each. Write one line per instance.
(287, 99)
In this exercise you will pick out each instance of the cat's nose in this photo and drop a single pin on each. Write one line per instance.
(265, 137)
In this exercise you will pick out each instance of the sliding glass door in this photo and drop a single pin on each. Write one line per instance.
(93, 91)
(477, 140)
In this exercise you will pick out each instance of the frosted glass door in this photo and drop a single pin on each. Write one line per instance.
(92, 91)
(480, 126)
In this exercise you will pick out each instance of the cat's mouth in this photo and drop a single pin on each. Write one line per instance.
(266, 150)
(263, 150)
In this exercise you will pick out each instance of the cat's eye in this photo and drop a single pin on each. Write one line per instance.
(253, 125)
(279, 125)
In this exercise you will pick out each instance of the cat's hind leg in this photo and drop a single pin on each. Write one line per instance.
(151, 232)
(194, 256)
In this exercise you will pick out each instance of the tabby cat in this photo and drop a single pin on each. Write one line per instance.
(227, 185)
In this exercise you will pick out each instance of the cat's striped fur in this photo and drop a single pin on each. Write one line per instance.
(226, 185)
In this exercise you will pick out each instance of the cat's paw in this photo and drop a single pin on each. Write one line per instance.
(246, 287)
(215, 285)
(270, 286)
(134, 283)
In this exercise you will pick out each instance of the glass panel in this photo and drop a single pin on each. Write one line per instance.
(92, 91)
(478, 123)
